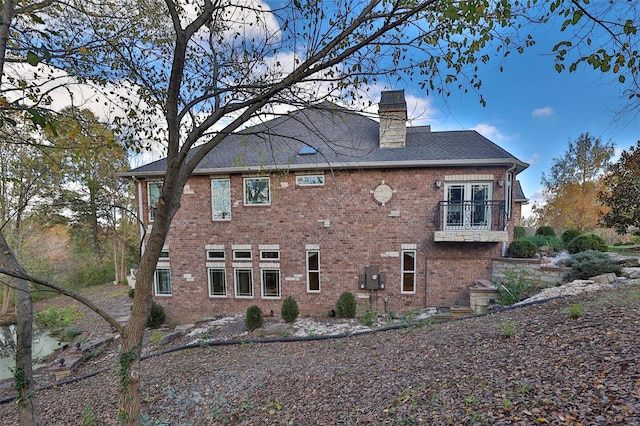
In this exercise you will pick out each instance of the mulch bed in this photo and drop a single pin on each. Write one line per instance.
(531, 365)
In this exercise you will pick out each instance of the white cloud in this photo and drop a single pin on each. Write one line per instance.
(533, 159)
(543, 112)
(490, 131)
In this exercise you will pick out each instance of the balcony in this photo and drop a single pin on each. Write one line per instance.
(470, 221)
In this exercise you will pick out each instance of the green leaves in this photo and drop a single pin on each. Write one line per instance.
(32, 58)
(598, 37)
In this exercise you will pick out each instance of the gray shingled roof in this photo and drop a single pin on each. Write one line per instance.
(343, 139)
(519, 195)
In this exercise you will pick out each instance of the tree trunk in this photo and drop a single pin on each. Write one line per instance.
(95, 227)
(123, 261)
(116, 261)
(133, 331)
(23, 375)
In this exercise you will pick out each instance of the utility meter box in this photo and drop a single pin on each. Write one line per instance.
(372, 279)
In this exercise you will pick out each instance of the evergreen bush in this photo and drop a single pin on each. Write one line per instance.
(522, 249)
(346, 305)
(254, 318)
(569, 235)
(157, 315)
(589, 263)
(546, 230)
(519, 233)
(590, 268)
(290, 310)
(585, 242)
(546, 240)
(131, 293)
(586, 256)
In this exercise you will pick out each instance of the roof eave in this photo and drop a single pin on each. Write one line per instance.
(508, 162)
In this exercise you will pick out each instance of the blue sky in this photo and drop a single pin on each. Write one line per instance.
(533, 111)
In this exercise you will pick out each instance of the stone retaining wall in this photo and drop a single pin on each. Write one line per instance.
(538, 271)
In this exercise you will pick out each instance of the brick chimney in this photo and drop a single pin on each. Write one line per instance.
(392, 111)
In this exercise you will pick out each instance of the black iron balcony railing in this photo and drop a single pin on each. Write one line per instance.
(470, 215)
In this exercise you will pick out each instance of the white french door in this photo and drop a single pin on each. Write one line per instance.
(467, 206)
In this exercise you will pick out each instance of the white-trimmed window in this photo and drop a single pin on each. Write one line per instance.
(310, 180)
(270, 255)
(154, 189)
(221, 199)
(313, 271)
(257, 191)
(244, 282)
(164, 255)
(508, 200)
(408, 271)
(162, 282)
(217, 282)
(242, 255)
(217, 255)
(270, 283)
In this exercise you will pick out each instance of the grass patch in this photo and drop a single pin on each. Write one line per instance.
(55, 318)
(508, 328)
(575, 311)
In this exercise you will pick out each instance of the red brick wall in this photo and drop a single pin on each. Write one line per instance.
(360, 232)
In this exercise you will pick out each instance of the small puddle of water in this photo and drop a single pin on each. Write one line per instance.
(43, 344)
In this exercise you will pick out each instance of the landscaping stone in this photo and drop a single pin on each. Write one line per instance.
(604, 278)
(631, 273)
(170, 337)
(274, 330)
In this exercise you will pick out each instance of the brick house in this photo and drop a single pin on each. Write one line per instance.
(325, 200)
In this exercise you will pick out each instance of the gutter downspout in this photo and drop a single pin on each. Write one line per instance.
(506, 216)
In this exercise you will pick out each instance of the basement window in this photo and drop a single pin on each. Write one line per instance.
(271, 283)
(215, 254)
(217, 282)
(408, 271)
(270, 255)
(313, 271)
(244, 282)
(242, 255)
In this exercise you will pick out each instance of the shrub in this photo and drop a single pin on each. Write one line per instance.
(587, 264)
(519, 233)
(508, 328)
(254, 318)
(91, 272)
(546, 230)
(131, 293)
(346, 305)
(585, 242)
(586, 256)
(575, 311)
(368, 318)
(513, 287)
(522, 249)
(290, 309)
(546, 240)
(569, 235)
(157, 315)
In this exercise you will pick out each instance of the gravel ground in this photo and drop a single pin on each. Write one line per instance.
(530, 365)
